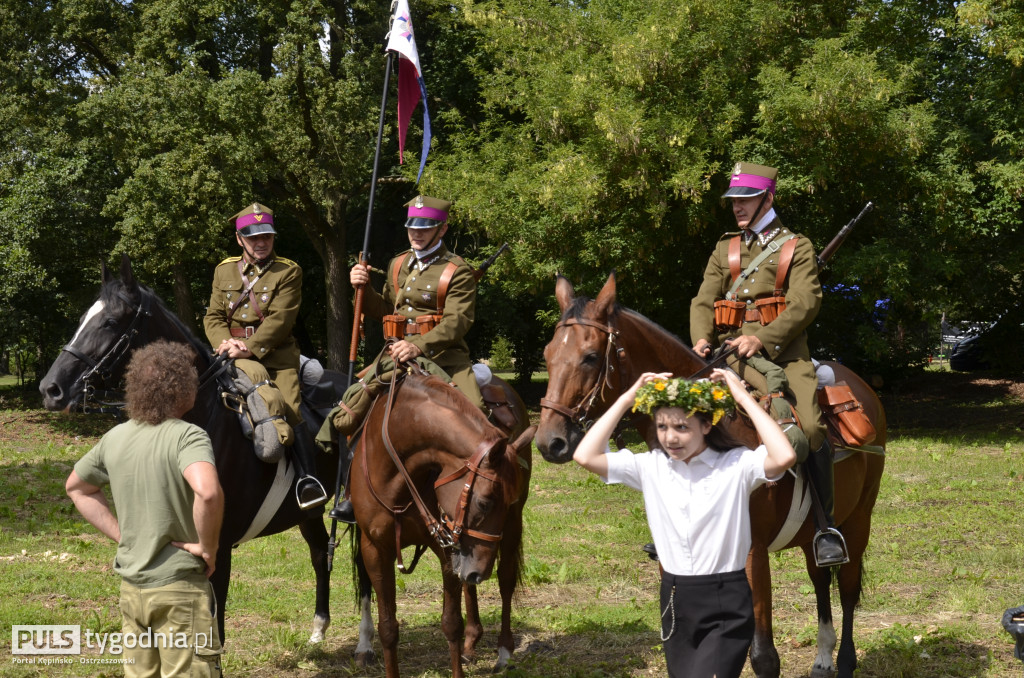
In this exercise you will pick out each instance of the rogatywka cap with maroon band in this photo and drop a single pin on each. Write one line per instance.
(426, 212)
(255, 219)
(748, 180)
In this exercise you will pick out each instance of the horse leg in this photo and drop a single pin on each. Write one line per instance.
(381, 572)
(219, 581)
(821, 578)
(510, 560)
(857, 530)
(364, 649)
(451, 616)
(315, 534)
(474, 627)
(764, 658)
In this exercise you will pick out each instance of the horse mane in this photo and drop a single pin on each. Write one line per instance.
(577, 311)
(109, 295)
(507, 471)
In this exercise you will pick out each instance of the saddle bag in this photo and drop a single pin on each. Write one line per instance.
(844, 415)
(729, 314)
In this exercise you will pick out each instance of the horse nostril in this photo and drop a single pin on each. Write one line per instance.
(474, 578)
(53, 391)
(557, 447)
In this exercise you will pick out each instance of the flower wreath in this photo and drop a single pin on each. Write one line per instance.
(692, 396)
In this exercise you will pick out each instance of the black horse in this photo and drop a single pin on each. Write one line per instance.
(128, 315)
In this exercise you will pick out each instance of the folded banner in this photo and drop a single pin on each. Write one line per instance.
(411, 87)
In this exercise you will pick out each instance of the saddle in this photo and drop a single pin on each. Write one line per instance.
(844, 417)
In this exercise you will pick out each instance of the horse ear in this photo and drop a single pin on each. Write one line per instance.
(563, 292)
(126, 271)
(525, 439)
(606, 298)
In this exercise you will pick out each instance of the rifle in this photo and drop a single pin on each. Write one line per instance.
(831, 248)
(482, 270)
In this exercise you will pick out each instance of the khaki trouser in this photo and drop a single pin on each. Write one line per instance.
(465, 380)
(283, 397)
(803, 383)
(177, 623)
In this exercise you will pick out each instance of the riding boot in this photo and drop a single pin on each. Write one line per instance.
(829, 546)
(309, 493)
(343, 510)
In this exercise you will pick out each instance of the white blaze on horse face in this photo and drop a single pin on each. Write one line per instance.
(93, 311)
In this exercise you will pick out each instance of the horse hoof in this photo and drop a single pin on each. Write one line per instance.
(365, 659)
(504, 656)
(320, 625)
(823, 672)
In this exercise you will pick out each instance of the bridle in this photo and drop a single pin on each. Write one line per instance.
(580, 413)
(101, 370)
(446, 530)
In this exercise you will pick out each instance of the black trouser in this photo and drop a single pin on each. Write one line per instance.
(708, 624)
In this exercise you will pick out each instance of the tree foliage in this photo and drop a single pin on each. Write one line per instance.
(590, 136)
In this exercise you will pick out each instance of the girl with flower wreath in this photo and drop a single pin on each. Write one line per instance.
(696, 489)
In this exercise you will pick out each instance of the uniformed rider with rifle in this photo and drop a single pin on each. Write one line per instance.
(428, 304)
(759, 294)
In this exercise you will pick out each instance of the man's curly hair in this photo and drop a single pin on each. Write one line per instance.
(161, 377)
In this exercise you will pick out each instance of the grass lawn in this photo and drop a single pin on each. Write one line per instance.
(946, 559)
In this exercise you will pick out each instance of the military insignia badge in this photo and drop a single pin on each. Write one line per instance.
(264, 298)
(736, 169)
(426, 296)
(419, 201)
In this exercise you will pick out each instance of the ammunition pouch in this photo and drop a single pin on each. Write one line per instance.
(398, 326)
(769, 308)
(729, 314)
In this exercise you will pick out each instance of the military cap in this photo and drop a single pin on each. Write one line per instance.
(425, 212)
(254, 220)
(749, 180)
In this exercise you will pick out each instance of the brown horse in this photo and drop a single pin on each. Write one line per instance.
(431, 471)
(599, 349)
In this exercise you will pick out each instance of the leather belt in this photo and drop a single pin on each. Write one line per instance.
(414, 328)
(243, 332)
(752, 315)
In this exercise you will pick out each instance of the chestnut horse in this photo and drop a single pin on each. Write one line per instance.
(599, 349)
(429, 470)
(128, 315)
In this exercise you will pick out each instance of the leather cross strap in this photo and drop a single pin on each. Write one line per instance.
(442, 284)
(785, 261)
(246, 292)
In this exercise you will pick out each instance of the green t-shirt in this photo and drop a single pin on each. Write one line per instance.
(143, 464)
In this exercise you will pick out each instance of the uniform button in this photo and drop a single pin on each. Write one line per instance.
(407, 289)
(778, 348)
(752, 280)
(264, 288)
(244, 315)
(428, 287)
(746, 291)
(412, 279)
(247, 306)
(263, 350)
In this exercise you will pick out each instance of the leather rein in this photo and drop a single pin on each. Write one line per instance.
(446, 530)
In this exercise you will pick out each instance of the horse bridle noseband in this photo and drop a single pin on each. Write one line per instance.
(446, 531)
(578, 415)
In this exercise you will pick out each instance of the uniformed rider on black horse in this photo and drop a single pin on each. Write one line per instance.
(252, 311)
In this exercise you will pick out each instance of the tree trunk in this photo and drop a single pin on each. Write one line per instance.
(339, 304)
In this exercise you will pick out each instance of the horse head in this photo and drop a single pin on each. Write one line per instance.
(583, 368)
(459, 470)
(119, 321)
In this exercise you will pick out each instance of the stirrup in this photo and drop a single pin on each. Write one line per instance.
(842, 560)
(306, 483)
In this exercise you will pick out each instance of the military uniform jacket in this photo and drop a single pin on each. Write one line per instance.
(278, 293)
(417, 295)
(785, 338)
